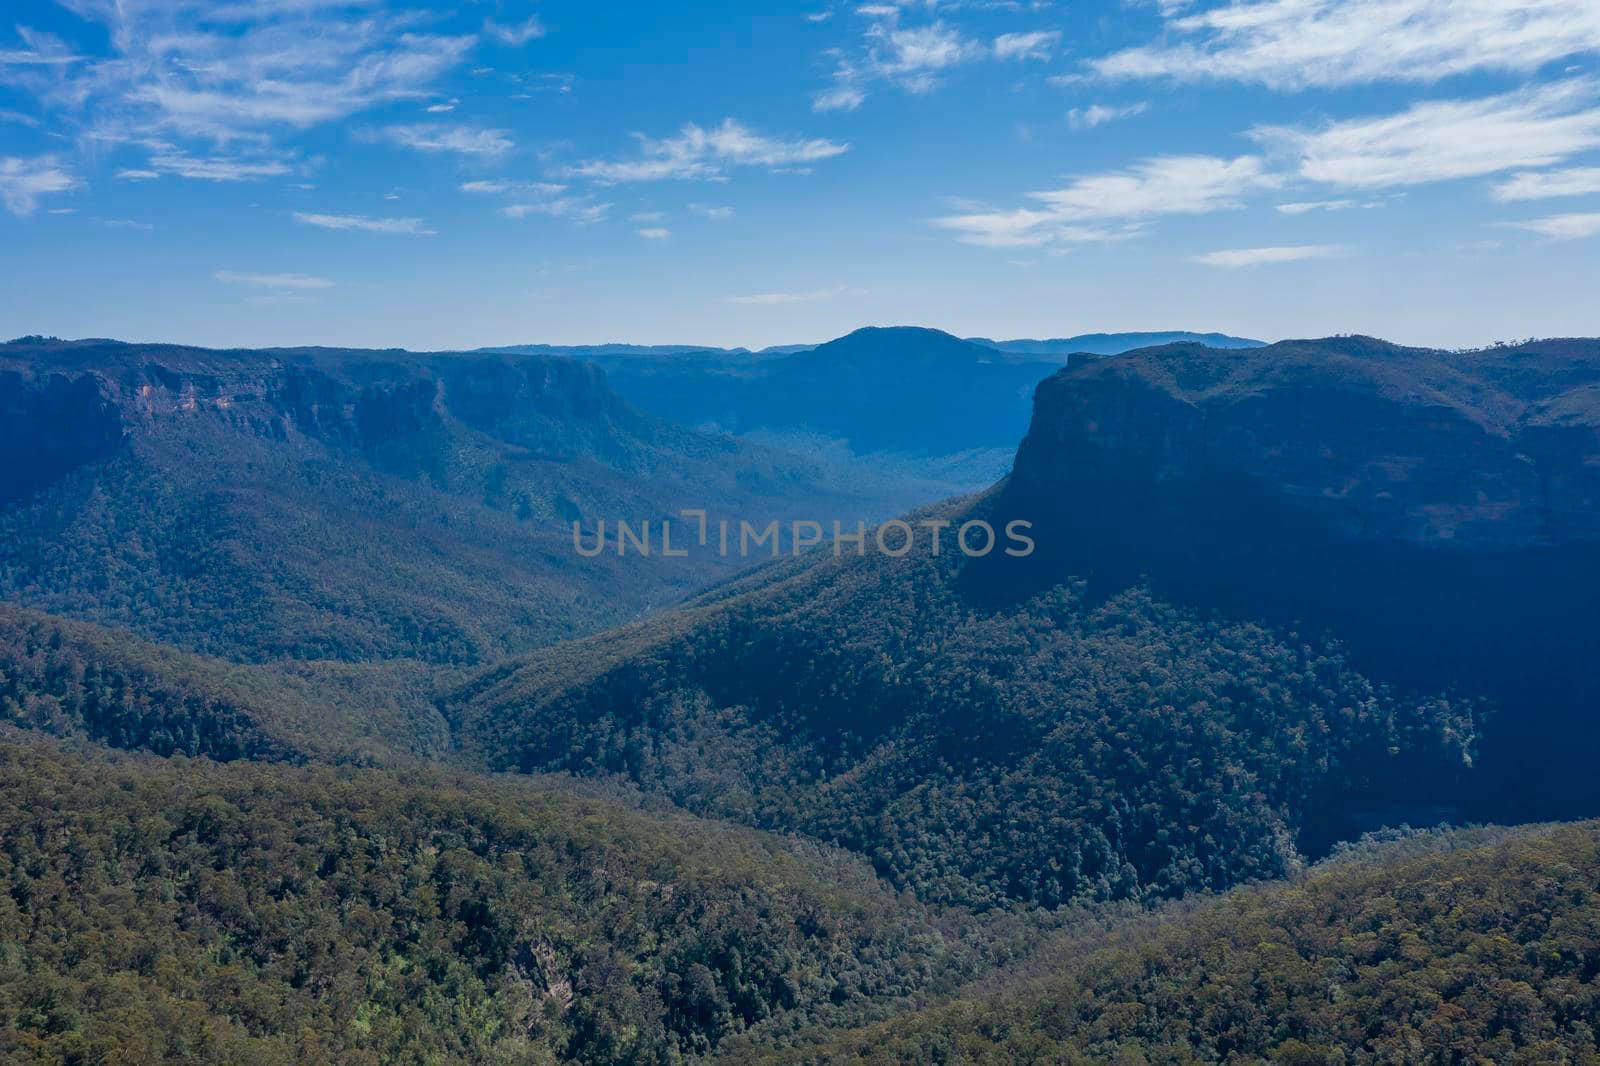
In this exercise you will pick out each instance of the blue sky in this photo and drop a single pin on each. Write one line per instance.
(376, 174)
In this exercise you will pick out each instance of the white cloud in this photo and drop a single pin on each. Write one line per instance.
(274, 281)
(1025, 45)
(518, 34)
(655, 233)
(1563, 227)
(126, 223)
(911, 58)
(41, 50)
(768, 299)
(1534, 185)
(1293, 44)
(705, 153)
(1304, 206)
(407, 226)
(1108, 207)
(462, 140)
(495, 188)
(647, 216)
(574, 209)
(1099, 114)
(844, 98)
(1244, 257)
(137, 175)
(236, 72)
(24, 181)
(715, 212)
(1444, 139)
(216, 168)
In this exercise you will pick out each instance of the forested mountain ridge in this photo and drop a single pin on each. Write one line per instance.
(1436, 512)
(330, 504)
(919, 403)
(77, 680)
(179, 910)
(1062, 750)
(1049, 719)
(1474, 946)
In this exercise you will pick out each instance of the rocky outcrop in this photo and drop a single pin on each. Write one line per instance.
(51, 425)
(70, 403)
(1361, 440)
(1437, 513)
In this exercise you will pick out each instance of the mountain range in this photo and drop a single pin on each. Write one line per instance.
(958, 408)
(321, 742)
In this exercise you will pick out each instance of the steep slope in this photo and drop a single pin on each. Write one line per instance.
(73, 679)
(181, 910)
(1438, 512)
(1150, 701)
(329, 504)
(1472, 947)
(1056, 751)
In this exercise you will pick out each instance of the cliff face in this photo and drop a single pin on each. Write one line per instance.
(71, 403)
(51, 425)
(1437, 513)
(1360, 440)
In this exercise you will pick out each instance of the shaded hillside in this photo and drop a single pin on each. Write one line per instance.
(181, 910)
(886, 393)
(1057, 751)
(1149, 702)
(330, 504)
(1472, 947)
(1437, 512)
(73, 679)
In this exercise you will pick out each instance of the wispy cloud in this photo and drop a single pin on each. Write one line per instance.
(497, 188)
(1546, 185)
(1245, 257)
(1563, 227)
(236, 73)
(1088, 118)
(842, 98)
(1294, 44)
(407, 226)
(127, 223)
(768, 299)
(217, 168)
(137, 175)
(715, 212)
(1037, 45)
(1444, 139)
(1106, 207)
(1302, 207)
(706, 153)
(572, 208)
(516, 34)
(24, 181)
(655, 233)
(274, 281)
(461, 140)
(911, 58)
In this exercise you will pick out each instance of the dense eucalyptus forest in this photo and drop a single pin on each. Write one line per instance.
(319, 742)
